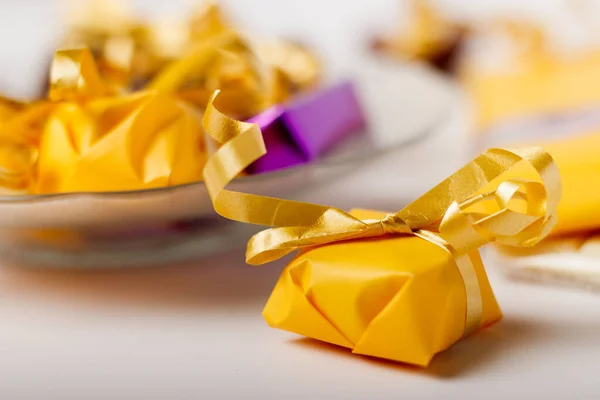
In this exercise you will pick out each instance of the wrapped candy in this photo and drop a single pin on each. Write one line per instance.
(108, 29)
(97, 132)
(144, 141)
(87, 137)
(192, 58)
(306, 127)
(532, 79)
(294, 61)
(429, 37)
(224, 62)
(511, 67)
(129, 51)
(401, 286)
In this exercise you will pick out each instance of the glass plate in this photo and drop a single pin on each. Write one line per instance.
(405, 104)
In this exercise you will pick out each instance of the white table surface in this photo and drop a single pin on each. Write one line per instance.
(195, 331)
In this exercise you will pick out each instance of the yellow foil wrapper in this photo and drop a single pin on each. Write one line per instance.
(579, 166)
(192, 57)
(137, 142)
(97, 132)
(225, 62)
(535, 80)
(96, 141)
(89, 137)
(401, 286)
(400, 298)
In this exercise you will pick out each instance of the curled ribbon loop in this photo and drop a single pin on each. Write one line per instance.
(465, 211)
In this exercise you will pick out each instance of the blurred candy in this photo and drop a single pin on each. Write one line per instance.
(109, 30)
(141, 141)
(88, 137)
(19, 136)
(96, 142)
(124, 115)
(525, 76)
(294, 60)
(429, 37)
(17, 163)
(308, 126)
(225, 62)
(74, 76)
(194, 57)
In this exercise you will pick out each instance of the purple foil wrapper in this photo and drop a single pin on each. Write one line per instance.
(305, 128)
(282, 151)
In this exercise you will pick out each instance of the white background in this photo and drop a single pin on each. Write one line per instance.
(30, 29)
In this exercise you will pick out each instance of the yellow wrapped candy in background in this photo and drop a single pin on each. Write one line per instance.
(88, 137)
(535, 79)
(510, 65)
(97, 132)
(401, 286)
(131, 51)
(142, 141)
(192, 57)
(105, 143)
(108, 29)
(429, 36)
(223, 62)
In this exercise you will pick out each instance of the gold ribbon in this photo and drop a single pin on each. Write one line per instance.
(462, 213)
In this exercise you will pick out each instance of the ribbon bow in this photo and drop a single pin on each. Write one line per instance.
(461, 212)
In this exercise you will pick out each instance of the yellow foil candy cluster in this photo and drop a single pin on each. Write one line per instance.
(125, 101)
(193, 57)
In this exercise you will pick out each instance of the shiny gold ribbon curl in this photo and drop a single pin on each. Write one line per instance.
(460, 214)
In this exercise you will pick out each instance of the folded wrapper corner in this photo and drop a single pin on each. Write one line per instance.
(396, 297)
(141, 141)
